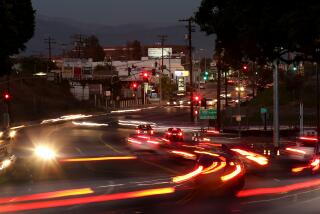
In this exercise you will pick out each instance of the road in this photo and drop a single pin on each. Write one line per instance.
(282, 191)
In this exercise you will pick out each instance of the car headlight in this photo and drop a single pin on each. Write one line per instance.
(12, 133)
(1, 134)
(5, 164)
(174, 103)
(168, 103)
(189, 102)
(45, 153)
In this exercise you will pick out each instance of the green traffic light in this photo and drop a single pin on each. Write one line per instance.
(206, 73)
(205, 78)
(295, 68)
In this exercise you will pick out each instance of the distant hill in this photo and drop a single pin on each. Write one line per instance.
(62, 29)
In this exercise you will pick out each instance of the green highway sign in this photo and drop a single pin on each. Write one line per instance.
(206, 114)
(263, 110)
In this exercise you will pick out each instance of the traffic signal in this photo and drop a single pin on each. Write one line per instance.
(206, 75)
(196, 112)
(196, 100)
(6, 96)
(134, 86)
(245, 67)
(145, 76)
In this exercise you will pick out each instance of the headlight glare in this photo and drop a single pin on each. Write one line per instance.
(45, 153)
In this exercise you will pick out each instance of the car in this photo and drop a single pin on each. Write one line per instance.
(145, 129)
(172, 102)
(7, 134)
(174, 134)
(303, 149)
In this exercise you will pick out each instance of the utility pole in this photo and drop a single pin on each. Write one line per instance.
(219, 68)
(63, 48)
(49, 41)
(79, 43)
(190, 30)
(162, 40)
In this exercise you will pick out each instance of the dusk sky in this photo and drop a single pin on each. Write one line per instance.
(115, 12)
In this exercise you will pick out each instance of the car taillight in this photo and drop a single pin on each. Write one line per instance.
(169, 133)
(180, 134)
(138, 131)
(152, 132)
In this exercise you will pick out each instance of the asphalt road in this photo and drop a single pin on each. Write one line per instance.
(270, 190)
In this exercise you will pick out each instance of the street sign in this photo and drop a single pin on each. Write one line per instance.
(108, 93)
(263, 110)
(208, 114)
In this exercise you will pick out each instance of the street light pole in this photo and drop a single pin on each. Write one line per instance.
(276, 142)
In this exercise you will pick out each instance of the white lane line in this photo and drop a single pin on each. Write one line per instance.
(79, 150)
(111, 185)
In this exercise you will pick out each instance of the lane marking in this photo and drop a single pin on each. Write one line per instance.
(108, 145)
(161, 167)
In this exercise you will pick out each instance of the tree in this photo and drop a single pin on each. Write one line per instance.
(16, 27)
(31, 65)
(255, 29)
(134, 50)
(93, 49)
(168, 87)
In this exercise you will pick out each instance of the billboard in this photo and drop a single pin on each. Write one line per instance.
(157, 52)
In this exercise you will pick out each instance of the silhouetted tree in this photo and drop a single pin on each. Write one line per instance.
(16, 27)
(134, 50)
(93, 49)
(253, 29)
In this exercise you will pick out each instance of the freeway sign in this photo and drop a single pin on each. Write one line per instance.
(263, 110)
(206, 114)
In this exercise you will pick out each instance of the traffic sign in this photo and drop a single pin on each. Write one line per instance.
(208, 114)
(263, 110)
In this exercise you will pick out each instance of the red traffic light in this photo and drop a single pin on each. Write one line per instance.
(134, 85)
(196, 98)
(196, 112)
(245, 67)
(145, 74)
(6, 96)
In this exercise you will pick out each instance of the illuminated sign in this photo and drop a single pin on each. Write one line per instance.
(181, 73)
(181, 84)
(157, 52)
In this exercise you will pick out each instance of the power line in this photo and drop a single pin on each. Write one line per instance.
(49, 41)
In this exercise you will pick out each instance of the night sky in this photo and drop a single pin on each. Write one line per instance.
(115, 12)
